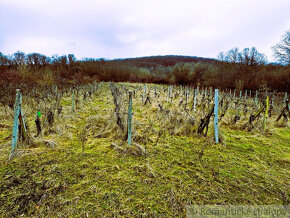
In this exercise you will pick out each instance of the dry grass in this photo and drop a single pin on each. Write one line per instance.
(167, 167)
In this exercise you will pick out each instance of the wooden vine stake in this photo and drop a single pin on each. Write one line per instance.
(17, 108)
(130, 119)
(144, 94)
(18, 121)
(171, 93)
(168, 94)
(266, 112)
(256, 97)
(216, 106)
(73, 100)
(194, 103)
(186, 96)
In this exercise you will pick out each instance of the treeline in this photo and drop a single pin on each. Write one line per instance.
(246, 69)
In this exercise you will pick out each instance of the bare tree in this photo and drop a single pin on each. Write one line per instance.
(19, 58)
(233, 55)
(3, 59)
(249, 57)
(282, 49)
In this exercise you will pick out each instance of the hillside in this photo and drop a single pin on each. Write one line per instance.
(82, 165)
(165, 61)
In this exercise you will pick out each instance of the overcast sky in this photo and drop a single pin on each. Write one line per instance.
(134, 28)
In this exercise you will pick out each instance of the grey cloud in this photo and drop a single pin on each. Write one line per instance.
(126, 28)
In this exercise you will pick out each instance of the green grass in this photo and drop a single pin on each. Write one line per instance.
(178, 169)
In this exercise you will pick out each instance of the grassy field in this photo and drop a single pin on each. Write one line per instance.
(82, 166)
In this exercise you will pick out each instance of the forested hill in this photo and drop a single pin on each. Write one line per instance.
(247, 69)
(166, 60)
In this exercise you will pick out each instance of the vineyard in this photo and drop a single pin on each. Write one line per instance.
(128, 149)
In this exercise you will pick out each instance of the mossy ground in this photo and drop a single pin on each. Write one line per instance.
(178, 169)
